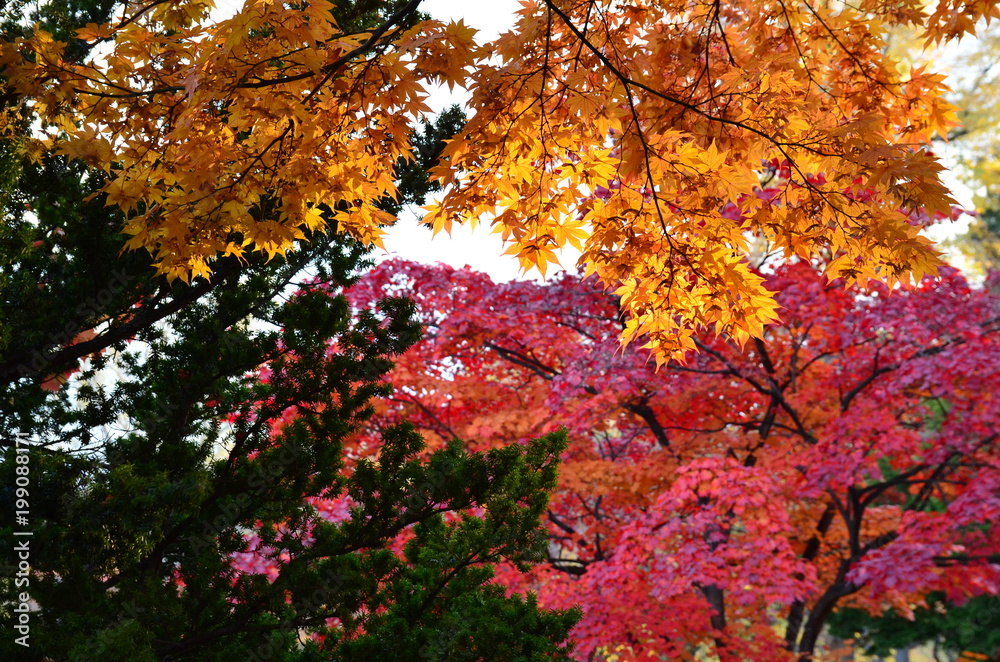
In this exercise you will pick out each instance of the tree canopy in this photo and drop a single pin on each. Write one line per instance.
(729, 504)
(640, 133)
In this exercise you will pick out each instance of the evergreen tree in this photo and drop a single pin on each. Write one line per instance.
(168, 430)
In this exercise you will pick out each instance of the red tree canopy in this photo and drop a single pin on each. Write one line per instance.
(731, 502)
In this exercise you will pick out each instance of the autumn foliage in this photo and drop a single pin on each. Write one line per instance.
(729, 503)
(621, 129)
(770, 444)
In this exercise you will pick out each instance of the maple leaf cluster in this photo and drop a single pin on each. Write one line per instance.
(245, 134)
(623, 130)
(731, 502)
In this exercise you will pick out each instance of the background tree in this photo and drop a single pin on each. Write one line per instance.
(623, 130)
(972, 146)
(951, 629)
(976, 82)
(730, 503)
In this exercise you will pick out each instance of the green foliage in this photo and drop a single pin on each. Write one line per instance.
(428, 142)
(137, 484)
(144, 485)
(971, 627)
(361, 15)
(60, 18)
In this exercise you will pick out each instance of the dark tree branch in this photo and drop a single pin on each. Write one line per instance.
(20, 365)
